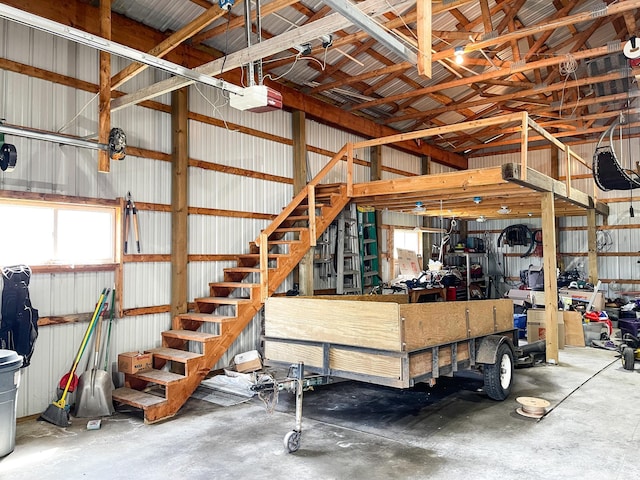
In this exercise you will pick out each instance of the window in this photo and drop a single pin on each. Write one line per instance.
(406, 239)
(38, 233)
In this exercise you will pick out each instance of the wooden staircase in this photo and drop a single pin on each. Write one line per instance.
(177, 371)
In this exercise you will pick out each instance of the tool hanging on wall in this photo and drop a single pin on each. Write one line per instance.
(131, 215)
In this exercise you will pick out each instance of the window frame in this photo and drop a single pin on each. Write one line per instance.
(82, 204)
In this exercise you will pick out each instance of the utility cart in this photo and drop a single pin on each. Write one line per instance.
(384, 340)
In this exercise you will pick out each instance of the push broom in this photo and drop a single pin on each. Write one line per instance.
(57, 413)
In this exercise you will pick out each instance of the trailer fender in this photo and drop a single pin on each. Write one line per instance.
(487, 348)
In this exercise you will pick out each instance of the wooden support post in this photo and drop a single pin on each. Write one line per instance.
(311, 198)
(349, 169)
(550, 281)
(303, 275)
(592, 246)
(567, 154)
(264, 267)
(104, 96)
(524, 145)
(179, 201)
(423, 23)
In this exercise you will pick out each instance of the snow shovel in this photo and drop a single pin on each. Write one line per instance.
(57, 412)
(94, 388)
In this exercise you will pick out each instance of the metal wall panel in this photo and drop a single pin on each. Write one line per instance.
(394, 158)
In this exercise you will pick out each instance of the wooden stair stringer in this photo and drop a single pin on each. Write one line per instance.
(214, 350)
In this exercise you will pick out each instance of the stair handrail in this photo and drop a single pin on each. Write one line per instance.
(307, 191)
(302, 194)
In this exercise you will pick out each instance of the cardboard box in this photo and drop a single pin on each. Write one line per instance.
(134, 362)
(248, 361)
(537, 327)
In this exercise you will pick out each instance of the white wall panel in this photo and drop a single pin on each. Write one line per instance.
(146, 284)
(394, 158)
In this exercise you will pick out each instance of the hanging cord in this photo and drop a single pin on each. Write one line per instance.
(66, 125)
(568, 67)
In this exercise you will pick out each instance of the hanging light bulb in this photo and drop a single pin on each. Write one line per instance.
(459, 55)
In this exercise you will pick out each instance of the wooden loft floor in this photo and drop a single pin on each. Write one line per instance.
(515, 185)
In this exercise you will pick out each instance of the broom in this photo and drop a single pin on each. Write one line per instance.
(57, 413)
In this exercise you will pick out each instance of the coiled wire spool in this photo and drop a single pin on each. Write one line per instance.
(532, 407)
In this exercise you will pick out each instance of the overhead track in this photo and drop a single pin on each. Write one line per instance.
(109, 46)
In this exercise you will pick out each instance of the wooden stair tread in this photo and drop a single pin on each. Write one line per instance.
(257, 255)
(161, 377)
(136, 398)
(290, 229)
(243, 269)
(223, 300)
(282, 242)
(173, 354)
(192, 335)
(207, 317)
(234, 284)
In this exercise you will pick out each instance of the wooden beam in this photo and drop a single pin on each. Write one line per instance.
(179, 201)
(550, 283)
(592, 247)
(171, 42)
(486, 16)
(104, 97)
(424, 37)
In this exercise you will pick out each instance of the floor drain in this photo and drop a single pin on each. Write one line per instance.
(532, 407)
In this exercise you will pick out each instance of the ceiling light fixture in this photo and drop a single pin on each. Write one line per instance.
(419, 208)
(504, 210)
(477, 200)
(459, 55)
(481, 219)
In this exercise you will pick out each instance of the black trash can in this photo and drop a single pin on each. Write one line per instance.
(10, 363)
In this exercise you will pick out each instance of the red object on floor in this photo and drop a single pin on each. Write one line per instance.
(451, 294)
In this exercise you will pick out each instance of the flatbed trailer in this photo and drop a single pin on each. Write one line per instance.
(384, 340)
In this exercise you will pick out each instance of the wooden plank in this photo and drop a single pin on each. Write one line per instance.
(365, 363)
(395, 298)
(346, 322)
(423, 23)
(422, 363)
(428, 324)
(430, 132)
(136, 398)
(452, 180)
(573, 331)
(293, 353)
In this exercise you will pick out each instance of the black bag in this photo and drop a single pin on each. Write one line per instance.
(19, 322)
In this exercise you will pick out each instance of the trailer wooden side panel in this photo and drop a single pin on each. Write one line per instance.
(427, 324)
(347, 322)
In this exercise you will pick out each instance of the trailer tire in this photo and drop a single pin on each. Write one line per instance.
(628, 358)
(498, 377)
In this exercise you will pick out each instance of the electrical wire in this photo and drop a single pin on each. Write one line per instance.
(216, 108)
(66, 125)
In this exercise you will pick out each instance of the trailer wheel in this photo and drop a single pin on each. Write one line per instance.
(628, 358)
(292, 441)
(498, 376)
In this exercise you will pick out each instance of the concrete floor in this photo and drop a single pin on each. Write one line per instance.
(359, 431)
